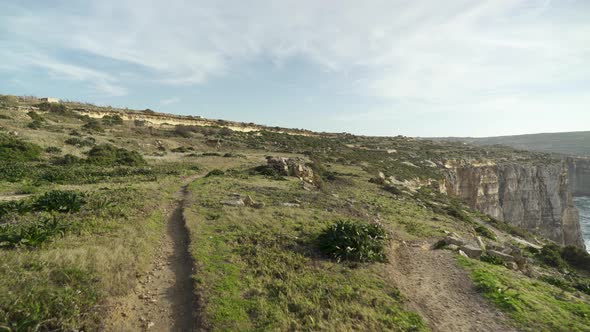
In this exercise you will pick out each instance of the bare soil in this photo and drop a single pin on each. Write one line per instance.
(164, 298)
(441, 291)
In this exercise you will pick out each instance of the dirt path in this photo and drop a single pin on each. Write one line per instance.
(163, 299)
(440, 291)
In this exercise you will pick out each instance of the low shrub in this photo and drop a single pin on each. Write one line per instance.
(491, 259)
(79, 142)
(35, 116)
(93, 125)
(576, 257)
(550, 255)
(31, 233)
(60, 201)
(354, 241)
(215, 172)
(67, 160)
(485, 232)
(35, 125)
(53, 150)
(112, 120)
(13, 149)
(18, 207)
(52, 107)
(109, 155)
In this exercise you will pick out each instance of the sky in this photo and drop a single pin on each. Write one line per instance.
(416, 68)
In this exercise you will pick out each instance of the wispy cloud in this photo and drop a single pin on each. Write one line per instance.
(170, 101)
(447, 54)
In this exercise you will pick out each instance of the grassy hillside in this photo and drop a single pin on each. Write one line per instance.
(572, 143)
(84, 205)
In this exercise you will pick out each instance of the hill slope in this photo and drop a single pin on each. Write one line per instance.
(283, 229)
(570, 143)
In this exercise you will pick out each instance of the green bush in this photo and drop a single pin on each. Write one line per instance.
(35, 116)
(93, 125)
(112, 120)
(576, 257)
(67, 160)
(485, 232)
(491, 259)
(35, 125)
(550, 254)
(109, 155)
(52, 107)
(75, 141)
(31, 233)
(13, 149)
(354, 241)
(60, 201)
(215, 172)
(18, 207)
(53, 150)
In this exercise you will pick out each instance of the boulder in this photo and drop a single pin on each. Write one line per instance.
(291, 167)
(504, 257)
(471, 251)
(453, 239)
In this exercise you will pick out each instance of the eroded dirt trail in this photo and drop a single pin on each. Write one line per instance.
(440, 291)
(164, 299)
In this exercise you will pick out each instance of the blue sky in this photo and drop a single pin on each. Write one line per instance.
(419, 68)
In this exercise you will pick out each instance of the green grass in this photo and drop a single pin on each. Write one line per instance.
(93, 255)
(533, 305)
(259, 269)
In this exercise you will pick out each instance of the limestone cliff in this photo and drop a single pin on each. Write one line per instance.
(535, 197)
(579, 173)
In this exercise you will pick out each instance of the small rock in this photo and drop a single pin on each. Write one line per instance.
(463, 254)
(453, 239)
(481, 244)
(453, 247)
(471, 251)
(150, 324)
(249, 201)
(237, 202)
(290, 204)
(501, 255)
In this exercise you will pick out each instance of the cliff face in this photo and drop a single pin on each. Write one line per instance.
(533, 197)
(579, 173)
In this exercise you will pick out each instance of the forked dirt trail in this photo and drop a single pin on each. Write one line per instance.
(440, 291)
(163, 299)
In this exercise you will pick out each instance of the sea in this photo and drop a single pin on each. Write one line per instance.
(583, 205)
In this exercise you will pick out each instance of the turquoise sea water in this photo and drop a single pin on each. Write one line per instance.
(583, 205)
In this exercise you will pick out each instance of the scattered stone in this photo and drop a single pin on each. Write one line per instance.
(471, 251)
(290, 204)
(501, 255)
(453, 239)
(150, 324)
(452, 247)
(429, 163)
(237, 202)
(463, 254)
(481, 244)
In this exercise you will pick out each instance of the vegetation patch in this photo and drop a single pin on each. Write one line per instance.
(534, 305)
(13, 149)
(354, 241)
(108, 155)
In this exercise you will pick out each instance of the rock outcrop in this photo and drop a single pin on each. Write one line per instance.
(535, 197)
(291, 167)
(579, 176)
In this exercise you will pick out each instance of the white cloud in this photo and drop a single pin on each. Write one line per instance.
(443, 54)
(170, 101)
